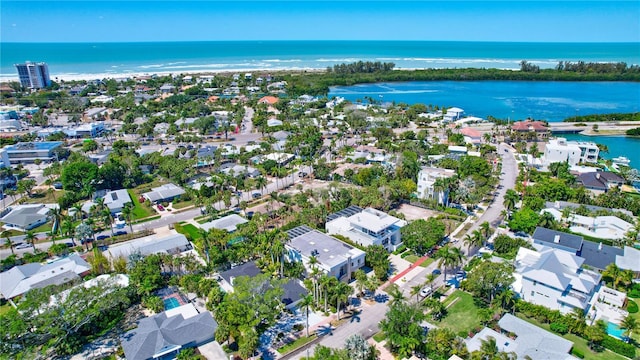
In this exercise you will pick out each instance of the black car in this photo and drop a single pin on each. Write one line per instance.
(102, 237)
(256, 195)
(121, 232)
(57, 185)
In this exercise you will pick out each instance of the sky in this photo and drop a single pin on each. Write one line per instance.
(130, 21)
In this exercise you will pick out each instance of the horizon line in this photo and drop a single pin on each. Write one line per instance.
(321, 40)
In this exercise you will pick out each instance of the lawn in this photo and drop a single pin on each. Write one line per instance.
(296, 344)
(5, 308)
(188, 229)
(579, 344)
(43, 197)
(462, 315)
(140, 210)
(182, 204)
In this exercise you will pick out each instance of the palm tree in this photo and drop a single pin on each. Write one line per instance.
(56, 216)
(396, 294)
(261, 183)
(478, 238)
(449, 257)
(127, 212)
(485, 227)
(415, 290)
(578, 322)
(488, 348)
(361, 280)
(342, 292)
(511, 198)
(629, 324)
(7, 235)
(306, 303)
(30, 238)
(506, 298)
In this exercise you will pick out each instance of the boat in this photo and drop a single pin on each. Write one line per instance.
(621, 160)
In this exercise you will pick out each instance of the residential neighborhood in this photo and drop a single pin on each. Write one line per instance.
(240, 219)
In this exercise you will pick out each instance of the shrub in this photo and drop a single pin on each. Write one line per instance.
(619, 346)
(577, 353)
(560, 328)
(632, 307)
(399, 250)
(635, 291)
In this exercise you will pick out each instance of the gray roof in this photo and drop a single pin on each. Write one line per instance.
(599, 179)
(563, 204)
(160, 333)
(166, 191)
(548, 236)
(599, 255)
(116, 199)
(229, 223)
(351, 210)
(327, 249)
(293, 290)
(20, 279)
(24, 215)
(533, 341)
(175, 243)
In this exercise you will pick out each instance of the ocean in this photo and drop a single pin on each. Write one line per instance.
(99, 60)
(618, 146)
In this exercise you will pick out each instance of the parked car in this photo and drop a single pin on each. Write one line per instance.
(121, 232)
(436, 272)
(23, 246)
(102, 237)
(57, 185)
(426, 291)
(256, 195)
(160, 207)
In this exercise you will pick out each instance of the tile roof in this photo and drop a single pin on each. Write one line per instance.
(529, 125)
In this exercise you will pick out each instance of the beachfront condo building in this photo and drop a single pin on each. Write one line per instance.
(33, 75)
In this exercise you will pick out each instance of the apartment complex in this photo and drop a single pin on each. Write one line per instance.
(33, 75)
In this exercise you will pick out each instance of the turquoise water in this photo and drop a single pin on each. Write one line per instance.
(618, 146)
(171, 303)
(544, 100)
(151, 57)
(614, 330)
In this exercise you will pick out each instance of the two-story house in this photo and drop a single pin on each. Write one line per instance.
(330, 255)
(555, 279)
(366, 227)
(427, 189)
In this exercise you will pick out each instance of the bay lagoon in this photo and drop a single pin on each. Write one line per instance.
(541, 100)
(517, 100)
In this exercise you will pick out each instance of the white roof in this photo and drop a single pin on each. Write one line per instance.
(630, 260)
(149, 245)
(373, 220)
(229, 223)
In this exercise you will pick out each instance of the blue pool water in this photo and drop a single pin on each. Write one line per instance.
(614, 330)
(170, 303)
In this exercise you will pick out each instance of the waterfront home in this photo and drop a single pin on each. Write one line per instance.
(293, 289)
(366, 227)
(564, 204)
(166, 192)
(332, 256)
(164, 335)
(600, 182)
(167, 89)
(26, 217)
(530, 129)
(526, 340)
(427, 178)
(572, 152)
(554, 278)
(20, 279)
(452, 114)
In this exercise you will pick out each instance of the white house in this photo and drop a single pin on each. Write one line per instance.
(334, 257)
(554, 278)
(573, 152)
(114, 200)
(452, 114)
(427, 178)
(166, 192)
(26, 217)
(20, 279)
(366, 227)
(601, 227)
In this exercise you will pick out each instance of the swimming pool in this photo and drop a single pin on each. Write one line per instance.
(615, 331)
(170, 303)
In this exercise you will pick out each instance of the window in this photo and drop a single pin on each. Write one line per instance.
(532, 293)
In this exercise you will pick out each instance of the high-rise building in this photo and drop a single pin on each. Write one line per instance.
(33, 75)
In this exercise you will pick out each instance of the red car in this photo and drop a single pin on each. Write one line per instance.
(160, 207)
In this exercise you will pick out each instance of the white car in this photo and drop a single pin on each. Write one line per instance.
(23, 246)
(426, 291)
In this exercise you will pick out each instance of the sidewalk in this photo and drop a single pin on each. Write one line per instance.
(407, 270)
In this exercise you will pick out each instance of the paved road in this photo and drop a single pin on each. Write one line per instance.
(507, 181)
